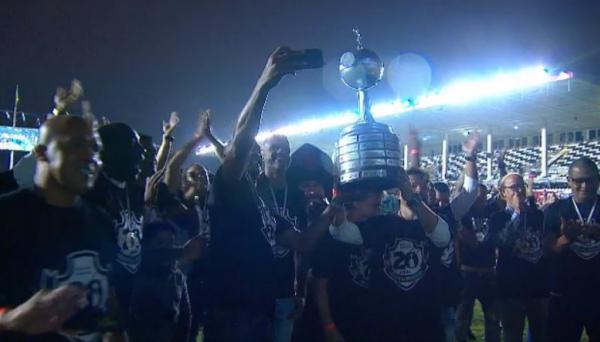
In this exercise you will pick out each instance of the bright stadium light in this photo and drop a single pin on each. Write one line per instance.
(459, 92)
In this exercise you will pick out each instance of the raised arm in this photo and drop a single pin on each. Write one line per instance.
(462, 203)
(167, 140)
(218, 144)
(304, 242)
(248, 123)
(436, 229)
(173, 171)
(414, 148)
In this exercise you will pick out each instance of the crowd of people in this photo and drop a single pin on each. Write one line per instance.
(107, 237)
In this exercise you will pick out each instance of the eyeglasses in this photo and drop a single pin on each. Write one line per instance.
(515, 187)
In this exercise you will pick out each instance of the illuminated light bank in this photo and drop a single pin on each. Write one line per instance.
(457, 93)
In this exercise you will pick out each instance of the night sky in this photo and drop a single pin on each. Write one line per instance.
(139, 60)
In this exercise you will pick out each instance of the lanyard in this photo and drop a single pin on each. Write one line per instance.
(589, 219)
(285, 197)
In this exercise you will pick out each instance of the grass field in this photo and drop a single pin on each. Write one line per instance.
(477, 325)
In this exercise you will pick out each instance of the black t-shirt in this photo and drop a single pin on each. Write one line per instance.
(483, 255)
(290, 206)
(522, 270)
(347, 270)
(404, 298)
(44, 247)
(446, 270)
(125, 206)
(243, 249)
(576, 271)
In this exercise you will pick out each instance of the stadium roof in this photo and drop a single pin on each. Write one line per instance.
(561, 106)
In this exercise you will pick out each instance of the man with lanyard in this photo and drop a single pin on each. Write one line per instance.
(573, 235)
(116, 192)
(477, 259)
(522, 271)
(243, 230)
(56, 248)
(286, 202)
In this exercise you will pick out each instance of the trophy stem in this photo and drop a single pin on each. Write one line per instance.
(364, 106)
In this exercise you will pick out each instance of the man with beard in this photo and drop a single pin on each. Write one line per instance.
(56, 248)
(116, 192)
(243, 230)
(573, 235)
(522, 272)
(311, 171)
(477, 266)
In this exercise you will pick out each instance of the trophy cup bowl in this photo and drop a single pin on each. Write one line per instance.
(361, 69)
(367, 153)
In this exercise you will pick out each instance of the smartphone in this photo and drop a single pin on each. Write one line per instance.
(309, 59)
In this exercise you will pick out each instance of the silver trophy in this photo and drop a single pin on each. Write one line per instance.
(367, 151)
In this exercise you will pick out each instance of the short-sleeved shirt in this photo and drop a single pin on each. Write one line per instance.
(45, 246)
(125, 206)
(483, 255)
(576, 270)
(243, 248)
(522, 270)
(446, 270)
(289, 205)
(404, 297)
(347, 270)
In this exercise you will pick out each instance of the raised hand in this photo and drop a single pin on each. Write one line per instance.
(169, 126)
(470, 145)
(152, 186)
(46, 311)
(404, 185)
(279, 64)
(203, 128)
(413, 138)
(64, 99)
(88, 115)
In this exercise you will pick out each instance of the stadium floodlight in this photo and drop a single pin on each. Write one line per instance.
(457, 93)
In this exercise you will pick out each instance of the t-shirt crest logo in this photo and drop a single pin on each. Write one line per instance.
(82, 268)
(481, 228)
(129, 236)
(269, 228)
(584, 247)
(528, 246)
(359, 268)
(405, 262)
(448, 254)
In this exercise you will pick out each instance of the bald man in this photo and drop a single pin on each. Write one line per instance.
(573, 235)
(55, 248)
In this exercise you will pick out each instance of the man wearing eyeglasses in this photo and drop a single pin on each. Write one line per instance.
(572, 229)
(522, 269)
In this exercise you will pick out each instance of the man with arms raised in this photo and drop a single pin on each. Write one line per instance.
(243, 230)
